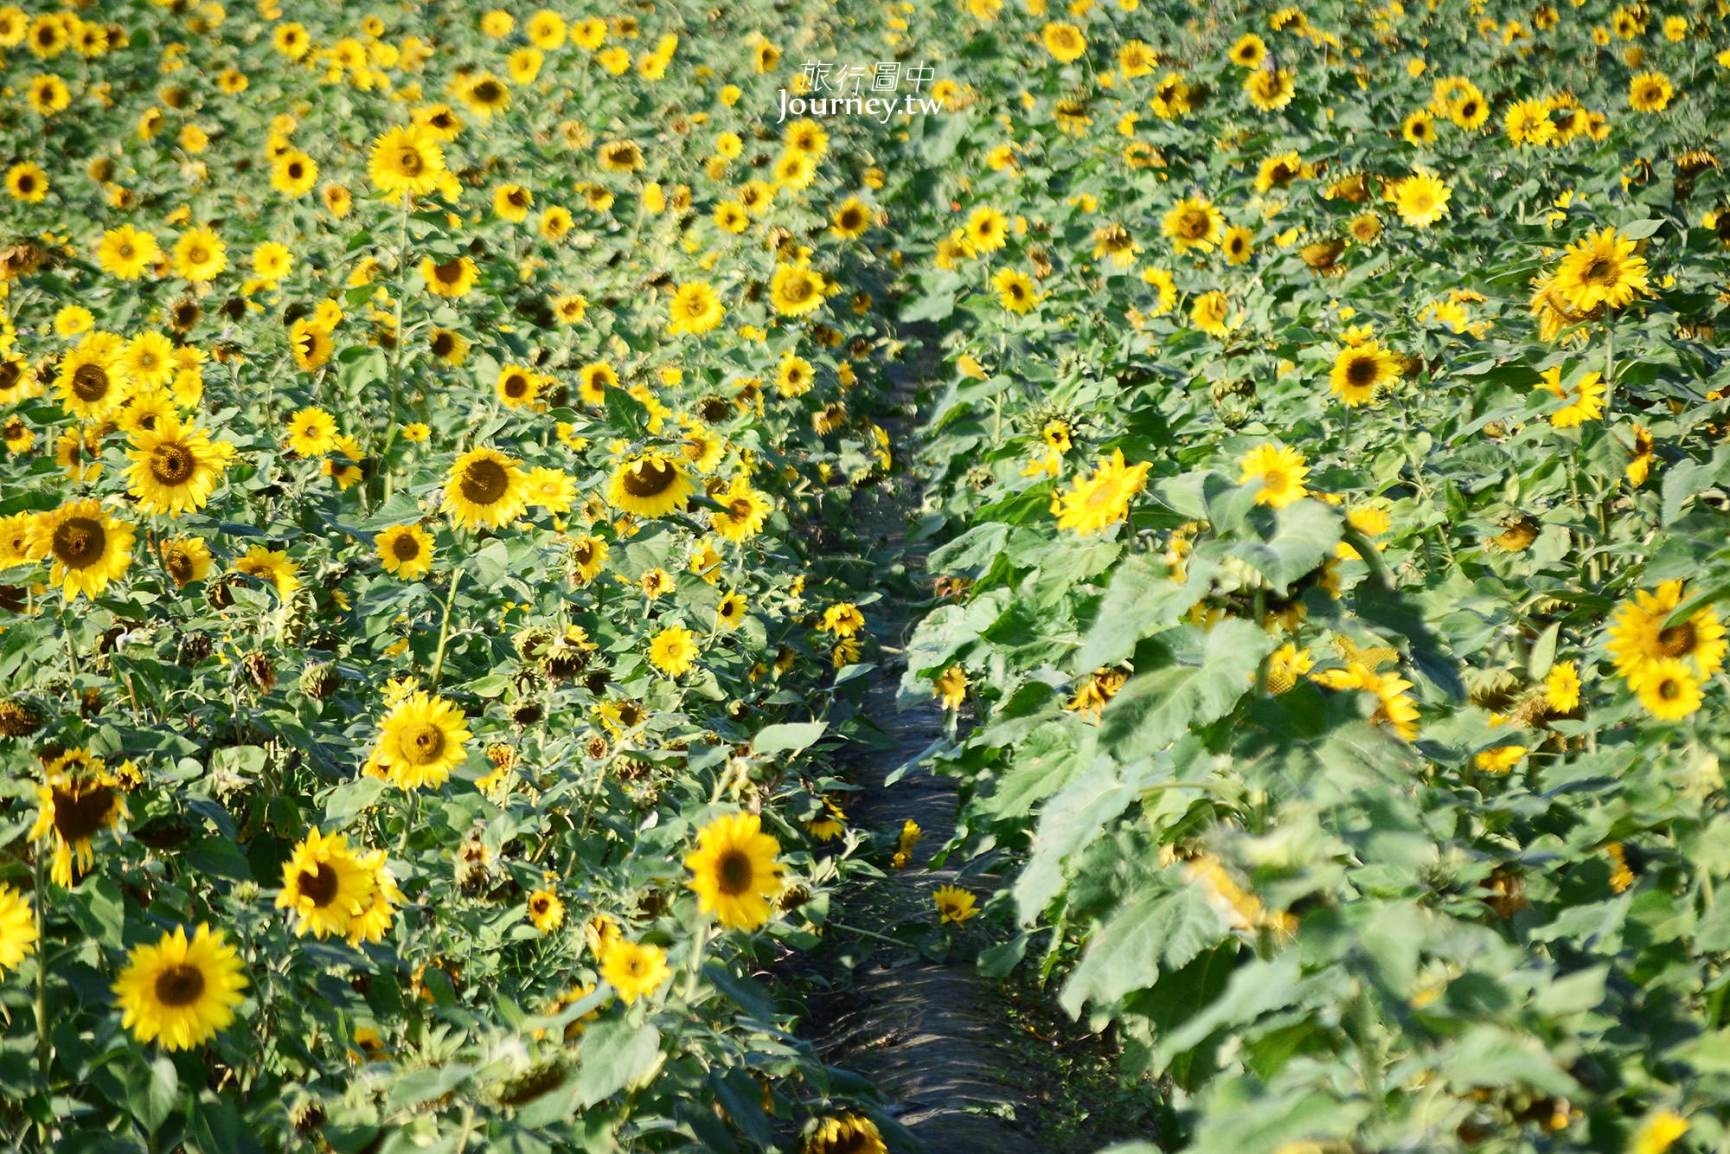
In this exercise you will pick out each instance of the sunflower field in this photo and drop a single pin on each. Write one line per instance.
(438, 620)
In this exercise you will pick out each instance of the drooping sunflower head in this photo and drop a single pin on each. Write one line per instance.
(845, 1134)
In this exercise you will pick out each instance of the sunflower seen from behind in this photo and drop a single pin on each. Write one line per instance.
(736, 871)
(181, 992)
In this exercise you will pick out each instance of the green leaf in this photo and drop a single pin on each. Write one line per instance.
(615, 1055)
(1141, 599)
(1155, 708)
(1290, 543)
(1126, 952)
(789, 737)
(1544, 652)
(161, 1095)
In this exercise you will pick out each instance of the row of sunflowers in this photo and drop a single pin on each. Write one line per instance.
(1328, 511)
(426, 582)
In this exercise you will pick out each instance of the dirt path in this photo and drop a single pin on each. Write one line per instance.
(935, 1038)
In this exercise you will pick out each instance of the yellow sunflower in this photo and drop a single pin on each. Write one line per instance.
(1601, 270)
(180, 992)
(1362, 371)
(845, 1134)
(485, 489)
(546, 911)
(405, 550)
(954, 904)
(695, 309)
(325, 886)
(420, 741)
(92, 380)
(17, 928)
(450, 278)
(796, 291)
(736, 873)
(1281, 472)
(588, 555)
(1667, 688)
(1100, 500)
(200, 255)
(175, 468)
(673, 650)
(1583, 400)
(187, 559)
(1421, 199)
(1193, 225)
(79, 799)
(1640, 634)
(743, 511)
(86, 547)
(730, 612)
(127, 252)
(650, 485)
(408, 160)
(312, 432)
(634, 970)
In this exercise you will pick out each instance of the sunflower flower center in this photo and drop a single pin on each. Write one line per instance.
(405, 548)
(650, 478)
(423, 743)
(80, 813)
(734, 873)
(320, 885)
(1361, 371)
(485, 482)
(90, 382)
(79, 542)
(450, 272)
(172, 464)
(180, 985)
(1677, 641)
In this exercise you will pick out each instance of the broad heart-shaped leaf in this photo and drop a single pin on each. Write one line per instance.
(615, 1054)
(1242, 1117)
(1289, 542)
(1141, 599)
(1126, 952)
(1070, 821)
(1154, 709)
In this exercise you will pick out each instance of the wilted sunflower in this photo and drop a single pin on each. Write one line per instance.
(325, 885)
(181, 992)
(421, 740)
(175, 468)
(845, 1134)
(485, 489)
(736, 871)
(87, 547)
(80, 798)
(650, 484)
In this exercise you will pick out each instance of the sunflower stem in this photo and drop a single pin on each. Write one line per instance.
(864, 933)
(41, 909)
(444, 629)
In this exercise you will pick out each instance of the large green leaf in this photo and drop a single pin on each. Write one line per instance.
(1127, 952)
(1154, 709)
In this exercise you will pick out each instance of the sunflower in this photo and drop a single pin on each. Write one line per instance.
(186, 559)
(1650, 92)
(17, 928)
(1270, 89)
(695, 309)
(272, 565)
(954, 904)
(1193, 225)
(420, 741)
(1584, 399)
(408, 160)
(845, 1134)
(796, 291)
(673, 650)
(588, 557)
(405, 550)
(1667, 688)
(1640, 634)
(516, 386)
(78, 800)
(200, 255)
(1249, 51)
(730, 612)
(451, 278)
(1394, 706)
(126, 252)
(1015, 290)
(650, 484)
(92, 380)
(1361, 371)
(1421, 199)
(312, 432)
(736, 874)
(294, 173)
(87, 547)
(448, 346)
(325, 885)
(512, 202)
(1065, 42)
(1100, 500)
(743, 511)
(175, 468)
(181, 992)
(1238, 245)
(1601, 270)
(485, 489)
(374, 921)
(1281, 472)
(546, 911)
(633, 969)
(27, 182)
